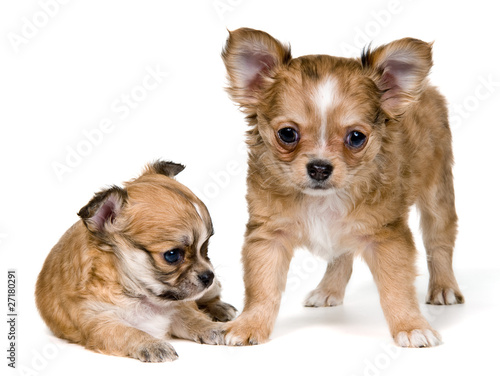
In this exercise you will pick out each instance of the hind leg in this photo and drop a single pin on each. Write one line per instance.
(330, 291)
(438, 220)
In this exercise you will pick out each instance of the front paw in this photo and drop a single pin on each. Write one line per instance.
(245, 331)
(321, 298)
(155, 352)
(417, 338)
(211, 334)
(219, 311)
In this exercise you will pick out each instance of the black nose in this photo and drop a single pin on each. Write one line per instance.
(319, 170)
(206, 278)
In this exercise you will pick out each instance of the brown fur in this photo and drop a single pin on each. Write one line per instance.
(107, 278)
(362, 207)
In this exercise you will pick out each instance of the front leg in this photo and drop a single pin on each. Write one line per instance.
(212, 305)
(391, 259)
(105, 333)
(190, 323)
(266, 259)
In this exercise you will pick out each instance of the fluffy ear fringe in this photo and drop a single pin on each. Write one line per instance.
(400, 70)
(105, 206)
(251, 57)
(102, 209)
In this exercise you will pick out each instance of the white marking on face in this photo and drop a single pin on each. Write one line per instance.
(204, 235)
(324, 98)
(138, 268)
(204, 232)
(198, 210)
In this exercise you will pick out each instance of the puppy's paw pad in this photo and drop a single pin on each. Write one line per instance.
(320, 298)
(156, 352)
(418, 338)
(444, 296)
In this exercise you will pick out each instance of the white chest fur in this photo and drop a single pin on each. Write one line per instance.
(326, 230)
(150, 319)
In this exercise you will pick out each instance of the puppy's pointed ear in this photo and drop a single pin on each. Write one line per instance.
(399, 69)
(251, 57)
(169, 169)
(100, 213)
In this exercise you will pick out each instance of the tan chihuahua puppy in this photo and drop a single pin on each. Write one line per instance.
(135, 271)
(339, 149)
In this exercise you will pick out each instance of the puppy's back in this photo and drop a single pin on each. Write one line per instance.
(427, 144)
(57, 284)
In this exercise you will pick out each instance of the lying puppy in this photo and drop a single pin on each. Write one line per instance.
(135, 270)
(339, 149)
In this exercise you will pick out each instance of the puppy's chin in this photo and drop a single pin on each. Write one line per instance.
(189, 291)
(315, 188)
(174, 296)
(319, 191)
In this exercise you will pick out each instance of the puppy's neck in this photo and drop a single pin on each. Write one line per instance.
(334, 200)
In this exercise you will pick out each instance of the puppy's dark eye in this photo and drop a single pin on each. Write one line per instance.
(355, 139)
(288, 135)
(174, 256)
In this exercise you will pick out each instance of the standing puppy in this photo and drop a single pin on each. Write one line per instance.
(135, 271)
(339, 149)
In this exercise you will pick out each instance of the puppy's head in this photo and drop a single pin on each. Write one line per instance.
(319, 123)
(158, 230)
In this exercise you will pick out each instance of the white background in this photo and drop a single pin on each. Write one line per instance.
(71, 71)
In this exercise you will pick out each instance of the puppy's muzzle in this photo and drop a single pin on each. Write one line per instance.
(207, 277)
(319, 170)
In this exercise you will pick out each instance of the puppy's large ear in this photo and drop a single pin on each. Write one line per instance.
(100, 213)
(399, 69)
(169, 169)
(251, 57)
